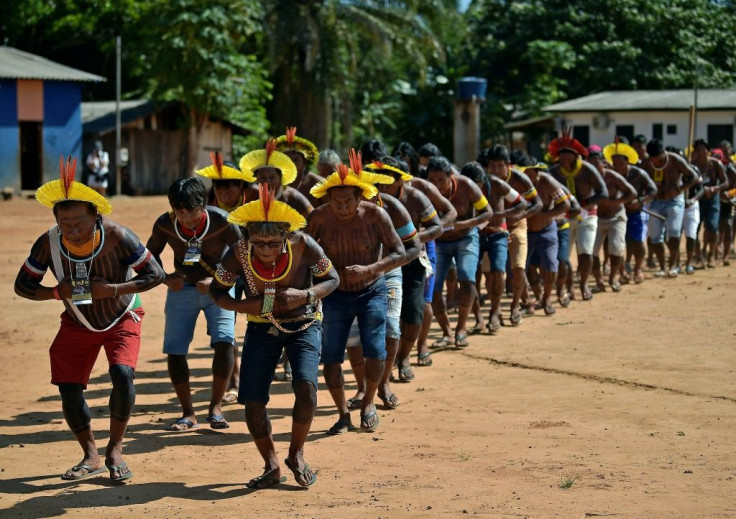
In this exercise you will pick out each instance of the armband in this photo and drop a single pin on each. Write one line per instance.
(481, 203)
(529, 195)
(407, 232)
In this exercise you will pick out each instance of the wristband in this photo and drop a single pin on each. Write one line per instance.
(55, 290)
(116, 290)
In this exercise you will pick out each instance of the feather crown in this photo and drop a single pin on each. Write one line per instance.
(346, 177)
(219, 170)
(66, 188)
(619, 148)
(268, 158)
(290, 142)
(379, 167)
(267, 209)
(566, 142)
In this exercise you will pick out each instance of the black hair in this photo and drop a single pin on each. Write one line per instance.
(372, 150)
(429, 150)
(516, 156)
(674, 149)
(474, 171)
(439, 163)
(227, 182)
(406, 150)
(655, 147)
(641, 138)
(482, 158)
(701, 142)
(725, 145)
(389, 161)
(187, 193)
(623, 139)
(526, 161)
(66, 204)
(499, 152)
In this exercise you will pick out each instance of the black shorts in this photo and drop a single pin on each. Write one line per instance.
(412, 301)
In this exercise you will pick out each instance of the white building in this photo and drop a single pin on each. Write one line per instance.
(660, 114)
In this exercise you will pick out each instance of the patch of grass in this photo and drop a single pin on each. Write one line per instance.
(464, 456)
(680, 433)
(567, 483)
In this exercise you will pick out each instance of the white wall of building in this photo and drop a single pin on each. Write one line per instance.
(602, 125)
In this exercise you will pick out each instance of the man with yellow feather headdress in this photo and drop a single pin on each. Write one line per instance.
(359, 238)
(287, 275)
(91, 258)
(305, 155)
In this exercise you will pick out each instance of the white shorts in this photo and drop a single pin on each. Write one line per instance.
(615, 229)
(583, 234)
(93, 182)
(691, 220)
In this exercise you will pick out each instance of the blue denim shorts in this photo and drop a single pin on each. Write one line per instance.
(182, 309)
(673, 211)
(465, 253)
(262, 350)
(563, 240)
(710, 213)
(636, 226)
(394, 295)
(496, 246)
(429, 283)
(340, 308)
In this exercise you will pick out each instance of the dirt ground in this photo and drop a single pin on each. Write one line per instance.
(624, 406)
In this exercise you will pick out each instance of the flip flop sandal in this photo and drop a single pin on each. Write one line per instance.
(118, 468)
(424, 359)
(364, 421)
(354, 403)
(299, 475)
(549, 309)
(186, 422)
(77, 468)
(265, 480)
(217, 421)
(515, 319)
(441, 343)
(461, 341)
(391, 402)
(406, 374)
(339, 428)
(230, 397)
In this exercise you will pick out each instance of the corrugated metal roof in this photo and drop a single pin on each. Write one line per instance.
(17, 64)
(645, 100)
(99, 116)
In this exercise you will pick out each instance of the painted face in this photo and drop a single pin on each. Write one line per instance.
(568, 160)
(620, 164)
(271, 176)
(228, 192)
(298, 160)
(268, 248)
(76, 222)
(498, 168)
(344, 202)
(441, 181)
(189, 218)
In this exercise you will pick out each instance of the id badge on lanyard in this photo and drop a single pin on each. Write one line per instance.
(81, 287)
(193, 253)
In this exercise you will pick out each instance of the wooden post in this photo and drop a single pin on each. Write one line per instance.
(466, 135)
(691, 132)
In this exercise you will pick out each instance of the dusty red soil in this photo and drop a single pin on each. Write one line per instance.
(629, 401)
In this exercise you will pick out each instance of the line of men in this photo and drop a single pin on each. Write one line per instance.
(371, 264)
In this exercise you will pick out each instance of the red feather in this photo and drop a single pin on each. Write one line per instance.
(67, 172)
(356, 162)
(342, 172)
(217, 161)
(290, 134)
(270, 148)
(566, 141)
(266, 197)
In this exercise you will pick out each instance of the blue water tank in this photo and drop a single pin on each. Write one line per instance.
(468, 87)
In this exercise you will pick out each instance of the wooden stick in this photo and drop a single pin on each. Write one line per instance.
(656, 215)
(691, 133)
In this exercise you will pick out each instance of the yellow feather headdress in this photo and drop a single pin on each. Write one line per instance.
(379, 167)
(619, 148)
(290, 142)
(219, 170)
(66, 188)
(536, 165)
(345, 177)
(268, 158)
(267, 209)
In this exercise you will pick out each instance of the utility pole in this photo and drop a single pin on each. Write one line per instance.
(118, 169)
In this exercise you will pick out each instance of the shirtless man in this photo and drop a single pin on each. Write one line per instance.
(303, 153)
(353, 233)
(228, 193)
(101, 308)
(542, 227)
(285, 172)
(447, 213)
(499, 165)
(673, 176)
(611, 223)
(585, 183)
(494, 237)
(714, 183)
(725, 236)
(623, 159)
(287, 275)
(424, 219)
(198, 236)
(459, 242)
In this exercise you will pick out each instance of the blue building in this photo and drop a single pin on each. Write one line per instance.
(40, 118)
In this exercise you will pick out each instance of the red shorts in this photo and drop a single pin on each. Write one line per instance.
(75, 348)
